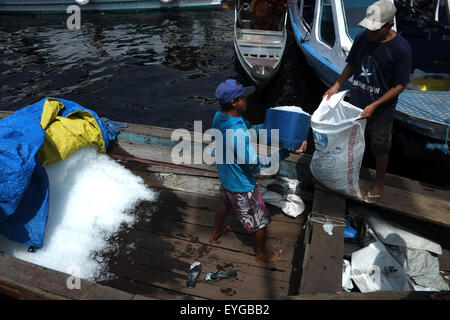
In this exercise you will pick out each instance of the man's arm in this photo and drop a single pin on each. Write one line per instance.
(389, 95)
(345, 75)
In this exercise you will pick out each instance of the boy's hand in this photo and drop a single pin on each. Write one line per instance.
(302, 148)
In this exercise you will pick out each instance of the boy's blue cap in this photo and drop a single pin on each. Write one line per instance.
(231, 89)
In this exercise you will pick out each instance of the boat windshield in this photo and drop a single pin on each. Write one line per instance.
(355, 11)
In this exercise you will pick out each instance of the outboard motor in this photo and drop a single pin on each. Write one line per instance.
(262, 73)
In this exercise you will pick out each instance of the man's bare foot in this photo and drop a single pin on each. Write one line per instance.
(217, 234)
(373, 195)
(270, 257)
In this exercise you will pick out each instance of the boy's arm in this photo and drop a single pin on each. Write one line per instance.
(257, 127)
(256, 162)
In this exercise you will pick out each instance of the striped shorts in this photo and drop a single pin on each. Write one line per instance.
(249, 207)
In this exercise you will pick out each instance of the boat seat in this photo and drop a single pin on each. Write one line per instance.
(262, 38)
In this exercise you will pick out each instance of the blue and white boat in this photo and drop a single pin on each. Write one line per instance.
(61, 6)
(325, 30)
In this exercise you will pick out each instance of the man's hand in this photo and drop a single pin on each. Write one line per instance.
(302, 148)
(333, 90)
(367, 112)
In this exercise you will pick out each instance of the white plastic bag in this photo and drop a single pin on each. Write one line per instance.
(339, 145)
(374, 269)
(291, 204)
(394, 234)
(285, 198)
(347, 284)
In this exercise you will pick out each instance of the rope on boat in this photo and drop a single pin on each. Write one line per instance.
(324, 219)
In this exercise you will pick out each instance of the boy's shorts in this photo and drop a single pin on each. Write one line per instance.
(379, 130)
(249, 207)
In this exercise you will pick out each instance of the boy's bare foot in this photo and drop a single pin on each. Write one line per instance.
(270, 257)
(217, 234)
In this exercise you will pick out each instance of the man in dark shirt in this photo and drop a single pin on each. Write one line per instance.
(380, 62)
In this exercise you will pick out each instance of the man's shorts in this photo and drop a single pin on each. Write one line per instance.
(249, 207)
(379, 130)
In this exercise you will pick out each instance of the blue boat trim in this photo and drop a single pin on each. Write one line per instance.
(298, 35)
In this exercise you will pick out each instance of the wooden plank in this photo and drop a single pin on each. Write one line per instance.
(99, 292)
(177, 282)
(444, 260)
(322, 268)
(293, 160)
(187, 218)
(305, 159)
(201, 210)
(160, 154)
(413, 204)
(191, 184)
(180, 265)
(378, 295)
(4, 114)
(424, 204)
(230, 241)
(22, 291)
(368, 175)
(203, 202)
(407, 203)
(25, 280)
(144, 291)
(180, 247)
(36, 276)
(401, 195)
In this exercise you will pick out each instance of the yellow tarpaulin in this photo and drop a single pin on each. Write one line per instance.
(65, 135)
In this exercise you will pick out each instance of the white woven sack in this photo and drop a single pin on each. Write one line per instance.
(339, 144)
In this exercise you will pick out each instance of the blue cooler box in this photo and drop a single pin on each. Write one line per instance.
(293, 127)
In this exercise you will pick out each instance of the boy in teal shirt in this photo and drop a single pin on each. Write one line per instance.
(237, 176)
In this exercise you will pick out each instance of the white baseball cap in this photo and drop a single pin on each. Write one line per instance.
(378, 14)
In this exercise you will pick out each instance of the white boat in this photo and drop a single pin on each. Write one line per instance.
(325, 30)
(60, 6)
(260, 52)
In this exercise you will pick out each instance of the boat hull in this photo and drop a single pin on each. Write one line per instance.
(54, 6)
(250, 64)
(260, 52)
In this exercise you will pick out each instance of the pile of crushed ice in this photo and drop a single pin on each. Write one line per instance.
(291, 109)
(91, 197)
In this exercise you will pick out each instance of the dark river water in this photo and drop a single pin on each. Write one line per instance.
(162, 68)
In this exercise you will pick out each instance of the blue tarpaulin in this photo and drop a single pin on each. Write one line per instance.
(24, 185)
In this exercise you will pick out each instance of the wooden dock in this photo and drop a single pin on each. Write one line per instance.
(177, 235)
(153, 258)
